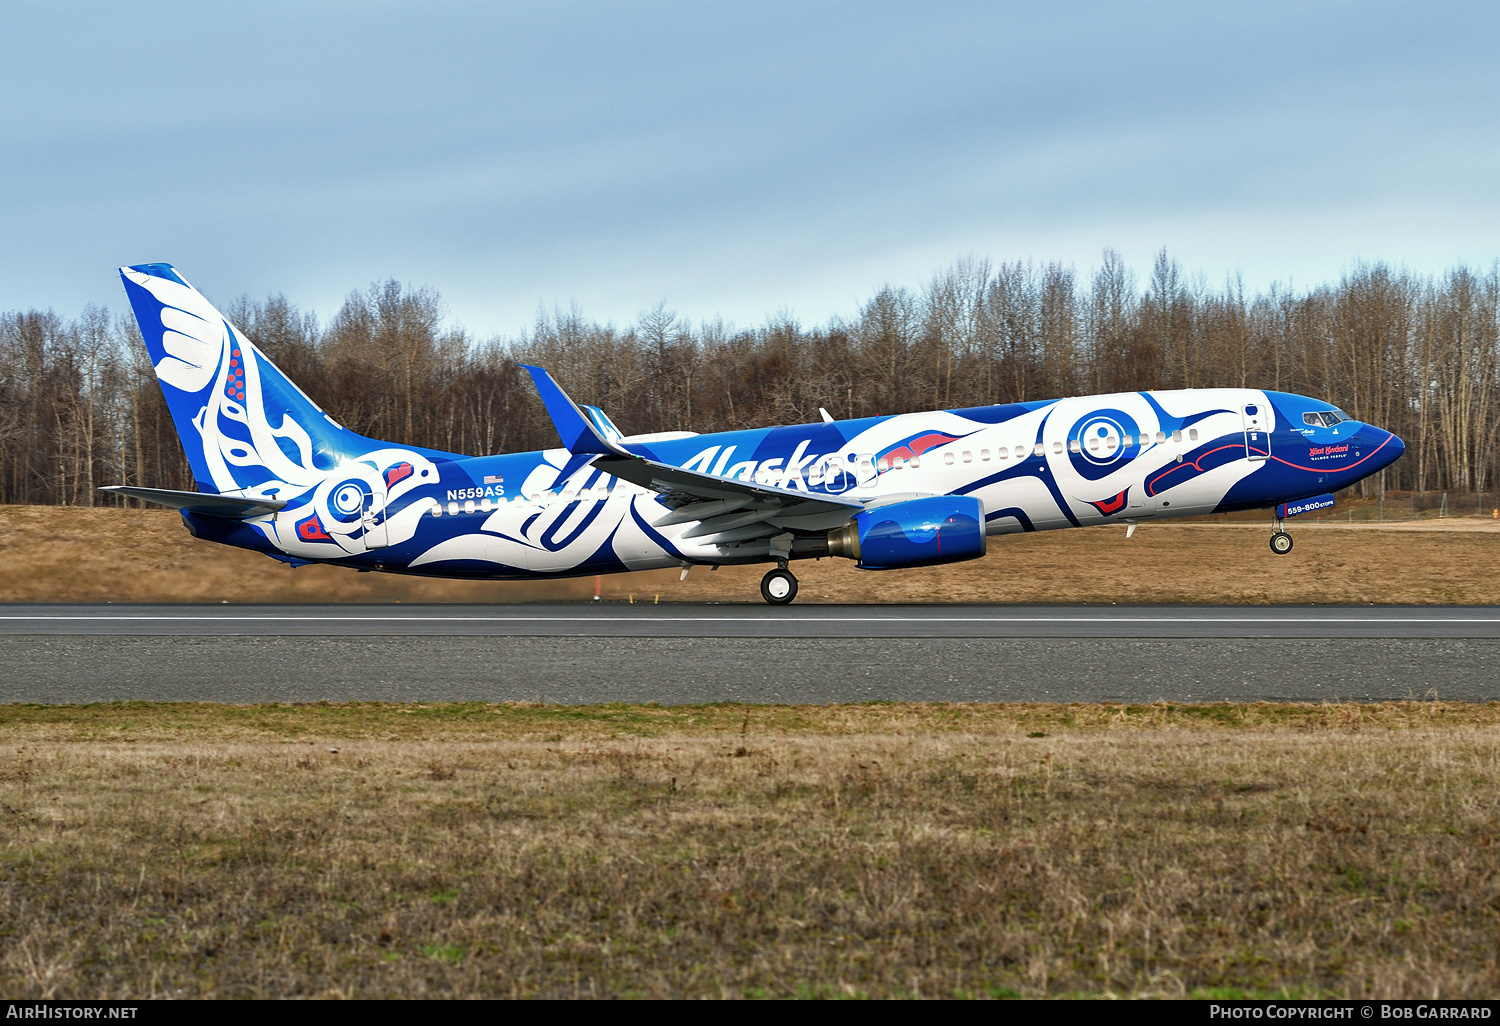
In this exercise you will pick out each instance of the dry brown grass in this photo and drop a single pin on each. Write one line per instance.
(474, 850)
(56, 554)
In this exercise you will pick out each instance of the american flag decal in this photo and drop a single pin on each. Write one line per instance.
(493, 479)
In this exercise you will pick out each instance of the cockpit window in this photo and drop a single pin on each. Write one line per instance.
(1324, 418)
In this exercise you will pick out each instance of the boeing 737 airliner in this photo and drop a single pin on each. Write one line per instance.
(278, 475)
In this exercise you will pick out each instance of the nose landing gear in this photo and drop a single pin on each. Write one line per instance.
(1281, 542)
(779, 586)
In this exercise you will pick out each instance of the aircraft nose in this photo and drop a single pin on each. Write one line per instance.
(1383, 445)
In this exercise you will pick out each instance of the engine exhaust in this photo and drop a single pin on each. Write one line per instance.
(844, 541)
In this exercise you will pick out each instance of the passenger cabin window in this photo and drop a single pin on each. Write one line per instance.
(948, 458)
(1093, 444)
(1176, 436)
(1020, 451)
(1057, 447)
(916, 461)
(484, 504)
(1192, 434)
(968, 456)
(453, 509)
(1039, 450)
(1161, 436)
(1074, 446)
(884, 464)
(984, 454)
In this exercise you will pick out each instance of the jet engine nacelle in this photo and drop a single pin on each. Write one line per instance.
(918, 532)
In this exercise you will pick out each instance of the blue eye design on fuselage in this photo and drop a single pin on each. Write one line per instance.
(1097, 445)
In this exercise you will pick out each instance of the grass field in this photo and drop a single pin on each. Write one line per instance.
(57, 554)
(884, 850)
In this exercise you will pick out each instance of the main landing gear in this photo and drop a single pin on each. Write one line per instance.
(779, 586)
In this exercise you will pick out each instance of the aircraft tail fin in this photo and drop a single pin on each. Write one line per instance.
(244, 425)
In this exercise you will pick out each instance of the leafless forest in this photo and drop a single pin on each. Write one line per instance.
(1420, 355)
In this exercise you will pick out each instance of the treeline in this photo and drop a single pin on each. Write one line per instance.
(1420, 355)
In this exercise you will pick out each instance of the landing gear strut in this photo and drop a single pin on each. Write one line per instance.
(1281, 542)
(779, 586)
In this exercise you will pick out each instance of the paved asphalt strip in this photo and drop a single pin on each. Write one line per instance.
(681, 654)
(731, 621)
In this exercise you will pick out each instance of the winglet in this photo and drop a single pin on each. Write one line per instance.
(578, 433)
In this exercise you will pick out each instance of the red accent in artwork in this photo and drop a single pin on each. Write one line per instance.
(917, 446)
(400, 472)
(1111, 505)
(1351, 466)
(1172, 468)
(311, 530)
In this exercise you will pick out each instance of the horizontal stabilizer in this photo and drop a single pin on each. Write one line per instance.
(232, 506)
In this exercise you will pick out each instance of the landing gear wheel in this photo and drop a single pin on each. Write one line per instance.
(778, 587)
(1281, 543)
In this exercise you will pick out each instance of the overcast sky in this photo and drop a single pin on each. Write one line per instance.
(732, 159)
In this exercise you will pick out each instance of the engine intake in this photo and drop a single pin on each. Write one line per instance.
(918, 532)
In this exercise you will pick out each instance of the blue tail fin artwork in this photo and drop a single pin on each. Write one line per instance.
(276, 474)
(249, 433)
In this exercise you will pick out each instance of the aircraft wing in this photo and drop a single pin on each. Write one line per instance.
(233, 506)
(693, 495)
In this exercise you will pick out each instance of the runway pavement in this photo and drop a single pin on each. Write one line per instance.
(705, 653)
(759, 621)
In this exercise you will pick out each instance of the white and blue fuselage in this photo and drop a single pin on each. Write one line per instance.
(277, 475)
